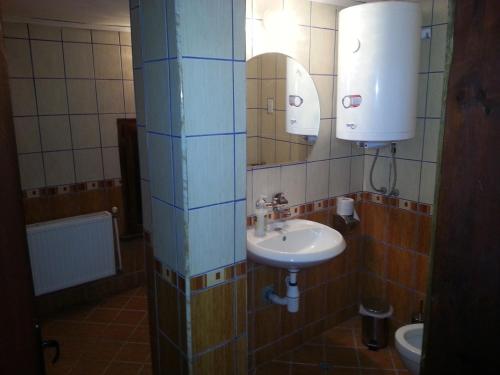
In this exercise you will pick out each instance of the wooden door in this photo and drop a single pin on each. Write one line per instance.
(463, 327)
(131, 183)
(20, 347)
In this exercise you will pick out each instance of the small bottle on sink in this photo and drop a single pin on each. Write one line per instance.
(261, 211)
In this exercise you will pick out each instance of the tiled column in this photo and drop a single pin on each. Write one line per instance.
(191, 63)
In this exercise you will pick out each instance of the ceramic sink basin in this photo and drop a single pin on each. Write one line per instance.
(298, 244)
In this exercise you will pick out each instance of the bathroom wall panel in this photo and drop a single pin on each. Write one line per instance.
(77, 71)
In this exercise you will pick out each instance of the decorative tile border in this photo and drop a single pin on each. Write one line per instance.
(325, 204)
(204, 281)
(71, 188)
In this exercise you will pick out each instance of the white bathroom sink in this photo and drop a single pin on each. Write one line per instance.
(299, 244)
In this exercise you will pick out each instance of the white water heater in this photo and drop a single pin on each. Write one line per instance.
(379, 45)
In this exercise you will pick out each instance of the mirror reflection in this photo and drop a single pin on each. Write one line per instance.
(283, 112)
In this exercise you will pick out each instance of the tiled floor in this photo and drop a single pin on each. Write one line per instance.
(338, 351)
(109, 338)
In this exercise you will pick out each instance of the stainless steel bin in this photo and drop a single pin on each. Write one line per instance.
(375, 314)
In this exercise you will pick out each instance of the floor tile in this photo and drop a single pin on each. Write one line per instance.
(123, 368)
(380, 359)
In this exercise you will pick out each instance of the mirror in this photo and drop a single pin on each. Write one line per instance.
(283, 113)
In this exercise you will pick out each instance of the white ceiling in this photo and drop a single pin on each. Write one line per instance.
(114, 13)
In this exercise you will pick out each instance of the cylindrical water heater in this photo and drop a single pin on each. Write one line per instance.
(378, 64)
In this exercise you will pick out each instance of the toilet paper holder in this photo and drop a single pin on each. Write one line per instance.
(346, 217)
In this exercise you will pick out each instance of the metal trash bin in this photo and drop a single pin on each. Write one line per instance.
(375, 314)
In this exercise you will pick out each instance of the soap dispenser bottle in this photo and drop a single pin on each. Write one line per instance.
(260, 213)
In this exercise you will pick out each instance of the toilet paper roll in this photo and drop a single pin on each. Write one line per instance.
(345, 206)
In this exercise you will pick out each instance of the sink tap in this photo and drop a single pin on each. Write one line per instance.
(280, 205)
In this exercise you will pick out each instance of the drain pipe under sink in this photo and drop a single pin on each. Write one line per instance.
(291, 300)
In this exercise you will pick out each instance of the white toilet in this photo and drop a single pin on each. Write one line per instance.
(409, 345)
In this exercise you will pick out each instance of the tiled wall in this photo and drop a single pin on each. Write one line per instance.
(395, 253)
(336, 167)
(333, 167)
(68, 87)
(393, 258)
(189, 70)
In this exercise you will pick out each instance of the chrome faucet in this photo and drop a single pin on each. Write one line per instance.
(279, 204)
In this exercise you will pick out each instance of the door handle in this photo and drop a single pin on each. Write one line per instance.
(52, 344)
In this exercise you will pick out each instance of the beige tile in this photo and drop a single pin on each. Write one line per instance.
(18, 58)
(323, 15)
(31, 170)
(15, 30)
(324, 86)
(51, 96)
(27, 134)
(110, 96)
(85, 131)
(48, 60)
(421, 94)
(301, 48)
(427, 183)
(111, 161)
(105, 37)
(128, 91)
(76, 35)
(109, 133)
(126, 54)
(438, 48)
(431, 139)
(44, 32)
(440, 11)
(55, 133)
(81, 96)
(125, 38)
(88, 165)
(322, 51)
(435, 95)
(59, 169)
(78, 60)
(301, 9)
(22, 94)
(425, 50)
(107, 61)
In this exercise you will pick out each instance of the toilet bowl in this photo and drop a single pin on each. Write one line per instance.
(409, 345)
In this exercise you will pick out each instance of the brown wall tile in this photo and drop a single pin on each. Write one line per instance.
(424, 234)
(241, 306)
(267, 325)
(421, 272)
(212, 320)
(400, 266)
(314, 304)
(168, 303)
(292, 322)
(322, 217)
(241, 348)
(218, 361)
(170, 358)
(402, 228)
(374, 219)
(264, 276)
(371, 286)
(374, 257)
(401, 300)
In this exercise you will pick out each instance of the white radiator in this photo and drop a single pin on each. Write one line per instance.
(71, 251)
